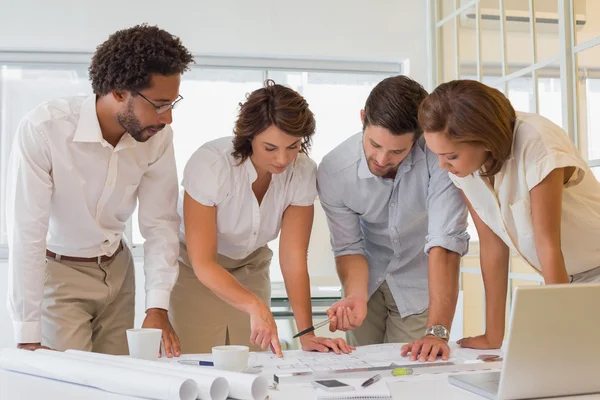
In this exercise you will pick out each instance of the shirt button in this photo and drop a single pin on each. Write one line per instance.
(392, 204)
(254, 233)
(395, 240)
(397, 255)
(380, 280)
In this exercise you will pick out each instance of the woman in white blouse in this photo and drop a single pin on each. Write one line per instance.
(239, 193)
(527, 188)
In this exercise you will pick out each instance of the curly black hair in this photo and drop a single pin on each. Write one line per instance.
(127, 60)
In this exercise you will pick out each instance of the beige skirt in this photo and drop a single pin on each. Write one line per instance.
(201, 319)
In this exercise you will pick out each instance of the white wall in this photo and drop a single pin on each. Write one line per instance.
(379, 29)
(342, 29)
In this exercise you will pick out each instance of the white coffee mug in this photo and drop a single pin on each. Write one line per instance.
(144, 343)
(230, 358)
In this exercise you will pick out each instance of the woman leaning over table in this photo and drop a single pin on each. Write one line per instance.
(527, 188)
(240, 192)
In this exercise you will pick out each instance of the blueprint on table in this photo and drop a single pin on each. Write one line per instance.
(378, 355)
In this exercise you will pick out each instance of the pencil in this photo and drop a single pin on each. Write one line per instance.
(312, 328)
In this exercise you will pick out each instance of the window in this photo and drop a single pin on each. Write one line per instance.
(335, 93)
(336, 100)
(592, 89)
(208, 112)
(23, 87)
(533, 68)
(211, 105)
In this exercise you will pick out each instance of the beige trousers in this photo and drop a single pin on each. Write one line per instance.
(384, 324)
(201, 319)
(89, 305)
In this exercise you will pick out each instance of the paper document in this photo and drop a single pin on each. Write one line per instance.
(379, 355)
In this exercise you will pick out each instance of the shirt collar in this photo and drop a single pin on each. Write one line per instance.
(518, 123)
(88, 127)
(252, 174)
(363, 167)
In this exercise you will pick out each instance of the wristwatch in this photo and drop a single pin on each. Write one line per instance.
(439, 331)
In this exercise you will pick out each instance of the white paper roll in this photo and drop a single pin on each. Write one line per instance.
(114, 379)
(209, 387)
(241, 386)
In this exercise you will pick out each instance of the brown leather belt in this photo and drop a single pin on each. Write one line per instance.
(98, 259)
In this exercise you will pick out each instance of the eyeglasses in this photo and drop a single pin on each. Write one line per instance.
(163, 108)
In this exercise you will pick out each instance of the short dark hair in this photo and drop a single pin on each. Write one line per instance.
(469, 111)
(394, 105)
(129, 58)
(276, 105)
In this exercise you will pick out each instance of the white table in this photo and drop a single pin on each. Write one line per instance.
(435, 387)
(16, 386)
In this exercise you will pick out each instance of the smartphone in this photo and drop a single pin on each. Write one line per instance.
(332, 385)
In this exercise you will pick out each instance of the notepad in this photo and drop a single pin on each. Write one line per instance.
(378, 390)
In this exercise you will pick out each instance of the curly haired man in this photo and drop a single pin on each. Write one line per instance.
(77, 169)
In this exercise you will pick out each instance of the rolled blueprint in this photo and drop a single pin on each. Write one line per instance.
(209, 387)
(241, 386)
(114, 379)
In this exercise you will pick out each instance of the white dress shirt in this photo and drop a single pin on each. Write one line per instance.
(213, 177)
(539, 146)
(71, 192)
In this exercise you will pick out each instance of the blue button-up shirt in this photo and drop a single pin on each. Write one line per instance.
(393, 223)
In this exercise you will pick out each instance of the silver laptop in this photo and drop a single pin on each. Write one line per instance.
(553, 346)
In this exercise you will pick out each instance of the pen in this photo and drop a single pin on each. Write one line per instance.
(197, 362)
(312, 328)
(371, 380)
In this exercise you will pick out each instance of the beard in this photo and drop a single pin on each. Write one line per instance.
(384, 172)
(132, 125)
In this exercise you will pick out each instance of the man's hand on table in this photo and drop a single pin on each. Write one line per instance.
(310, 342)
(428, 348)
(32, 346)
(159, 319)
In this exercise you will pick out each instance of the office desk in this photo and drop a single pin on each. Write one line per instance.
(425, 389)
(16, 386)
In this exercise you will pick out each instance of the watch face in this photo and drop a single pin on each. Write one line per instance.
(438, 331)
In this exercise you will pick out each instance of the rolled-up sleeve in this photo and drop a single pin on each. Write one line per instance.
(344, 224)
(159, 225)
(447, 211)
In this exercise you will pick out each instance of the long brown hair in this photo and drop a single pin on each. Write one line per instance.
(277, 105)
(469, 111)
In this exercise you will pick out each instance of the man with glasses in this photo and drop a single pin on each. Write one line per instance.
(77, 168)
